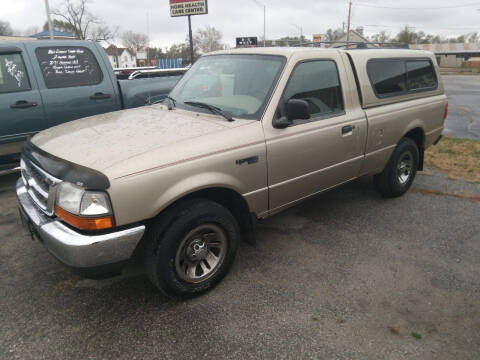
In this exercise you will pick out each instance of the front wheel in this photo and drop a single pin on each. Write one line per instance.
(191, 247)
(398, 175)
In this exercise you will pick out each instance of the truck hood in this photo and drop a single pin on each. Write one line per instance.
(103, 141)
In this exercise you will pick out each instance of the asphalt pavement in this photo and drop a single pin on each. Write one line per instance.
(463, 93)
(346, 275)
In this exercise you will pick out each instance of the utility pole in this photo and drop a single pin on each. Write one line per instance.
(264, 26)
(148, 37)
(301, 31)
(349, 20)
(191, 38)
(264, 21)
(49, 20)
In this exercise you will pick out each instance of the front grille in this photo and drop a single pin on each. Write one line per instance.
(40, 186)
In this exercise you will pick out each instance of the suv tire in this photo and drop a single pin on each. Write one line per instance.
(191, 247)
(398, 175)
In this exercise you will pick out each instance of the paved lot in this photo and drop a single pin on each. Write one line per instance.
(463, 93)
(347, 275)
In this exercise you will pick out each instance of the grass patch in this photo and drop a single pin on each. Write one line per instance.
(416, 336)
(458, 158)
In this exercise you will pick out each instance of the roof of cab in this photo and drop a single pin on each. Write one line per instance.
(288, 51)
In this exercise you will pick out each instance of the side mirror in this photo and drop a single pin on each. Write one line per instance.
(296, 110)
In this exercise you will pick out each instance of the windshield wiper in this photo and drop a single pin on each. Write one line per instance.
(172, 103)
(212, 108)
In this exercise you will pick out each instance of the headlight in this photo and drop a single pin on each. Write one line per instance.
(85, 210)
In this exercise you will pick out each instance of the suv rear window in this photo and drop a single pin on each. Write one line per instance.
(394, 77)
(68, 66)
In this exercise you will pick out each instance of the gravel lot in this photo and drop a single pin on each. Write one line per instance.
(463, 92)
(347, 275)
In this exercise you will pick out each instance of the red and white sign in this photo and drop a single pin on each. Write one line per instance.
(188, 7)
(317, 38)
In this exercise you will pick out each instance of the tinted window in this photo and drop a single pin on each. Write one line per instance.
(13, 76)
(421, 75)
(388, 77)
(67, 66)
(316, 82)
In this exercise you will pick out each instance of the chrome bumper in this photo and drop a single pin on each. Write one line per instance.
(75, 249)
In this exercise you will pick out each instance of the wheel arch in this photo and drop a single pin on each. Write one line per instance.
(417, 134)
(229, 198)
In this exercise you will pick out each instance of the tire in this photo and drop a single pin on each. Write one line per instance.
(191, 247)
(398, 175)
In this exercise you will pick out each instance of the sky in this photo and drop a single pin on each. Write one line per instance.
(284, 17)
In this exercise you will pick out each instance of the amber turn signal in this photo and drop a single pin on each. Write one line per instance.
(84, 223)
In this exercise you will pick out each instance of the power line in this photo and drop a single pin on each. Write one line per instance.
(419, 27)
(416, 8)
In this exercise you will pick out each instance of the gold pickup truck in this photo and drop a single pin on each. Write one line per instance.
(245, 134)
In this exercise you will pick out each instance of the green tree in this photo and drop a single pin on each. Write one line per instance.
(60, 26)
(332, 35)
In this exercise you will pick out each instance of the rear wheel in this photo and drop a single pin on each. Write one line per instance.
(398, 175)
(191, 247)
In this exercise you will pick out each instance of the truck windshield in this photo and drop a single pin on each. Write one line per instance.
(237, 84)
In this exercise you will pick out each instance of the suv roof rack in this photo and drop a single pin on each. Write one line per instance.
(357, 44)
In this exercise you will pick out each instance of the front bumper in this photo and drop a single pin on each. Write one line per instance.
(74, 249)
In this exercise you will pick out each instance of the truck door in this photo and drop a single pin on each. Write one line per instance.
(73, 80)
(20, 102)
(316, 154)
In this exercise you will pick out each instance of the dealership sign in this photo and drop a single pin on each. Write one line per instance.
(243, 42)
(188, 7)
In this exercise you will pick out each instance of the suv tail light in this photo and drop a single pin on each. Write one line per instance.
(445, 114)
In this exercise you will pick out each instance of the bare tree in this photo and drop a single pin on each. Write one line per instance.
(381, 37)
(473, 37)
(208, 39)
(134, 41)
(103, 33)
(5, 28)
(77, 15)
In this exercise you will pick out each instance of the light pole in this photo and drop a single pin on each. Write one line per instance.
(264, 21)
(49, 20)
(301, 31)
(349, 20)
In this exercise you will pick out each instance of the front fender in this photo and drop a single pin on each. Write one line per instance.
(193, 184)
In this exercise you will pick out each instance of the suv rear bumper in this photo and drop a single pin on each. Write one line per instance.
(84, 253)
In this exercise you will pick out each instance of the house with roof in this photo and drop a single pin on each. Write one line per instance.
(57, 35)
(121, 57)
(355, 38)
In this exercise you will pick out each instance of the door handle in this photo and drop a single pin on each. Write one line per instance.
(100, 96)
(23, 104)
(347, 129)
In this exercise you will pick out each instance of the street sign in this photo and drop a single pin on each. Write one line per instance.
(141, 55)
(317, 38)
(247, 41)
(188, 7)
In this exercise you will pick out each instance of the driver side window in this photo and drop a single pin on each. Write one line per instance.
(317, 82)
